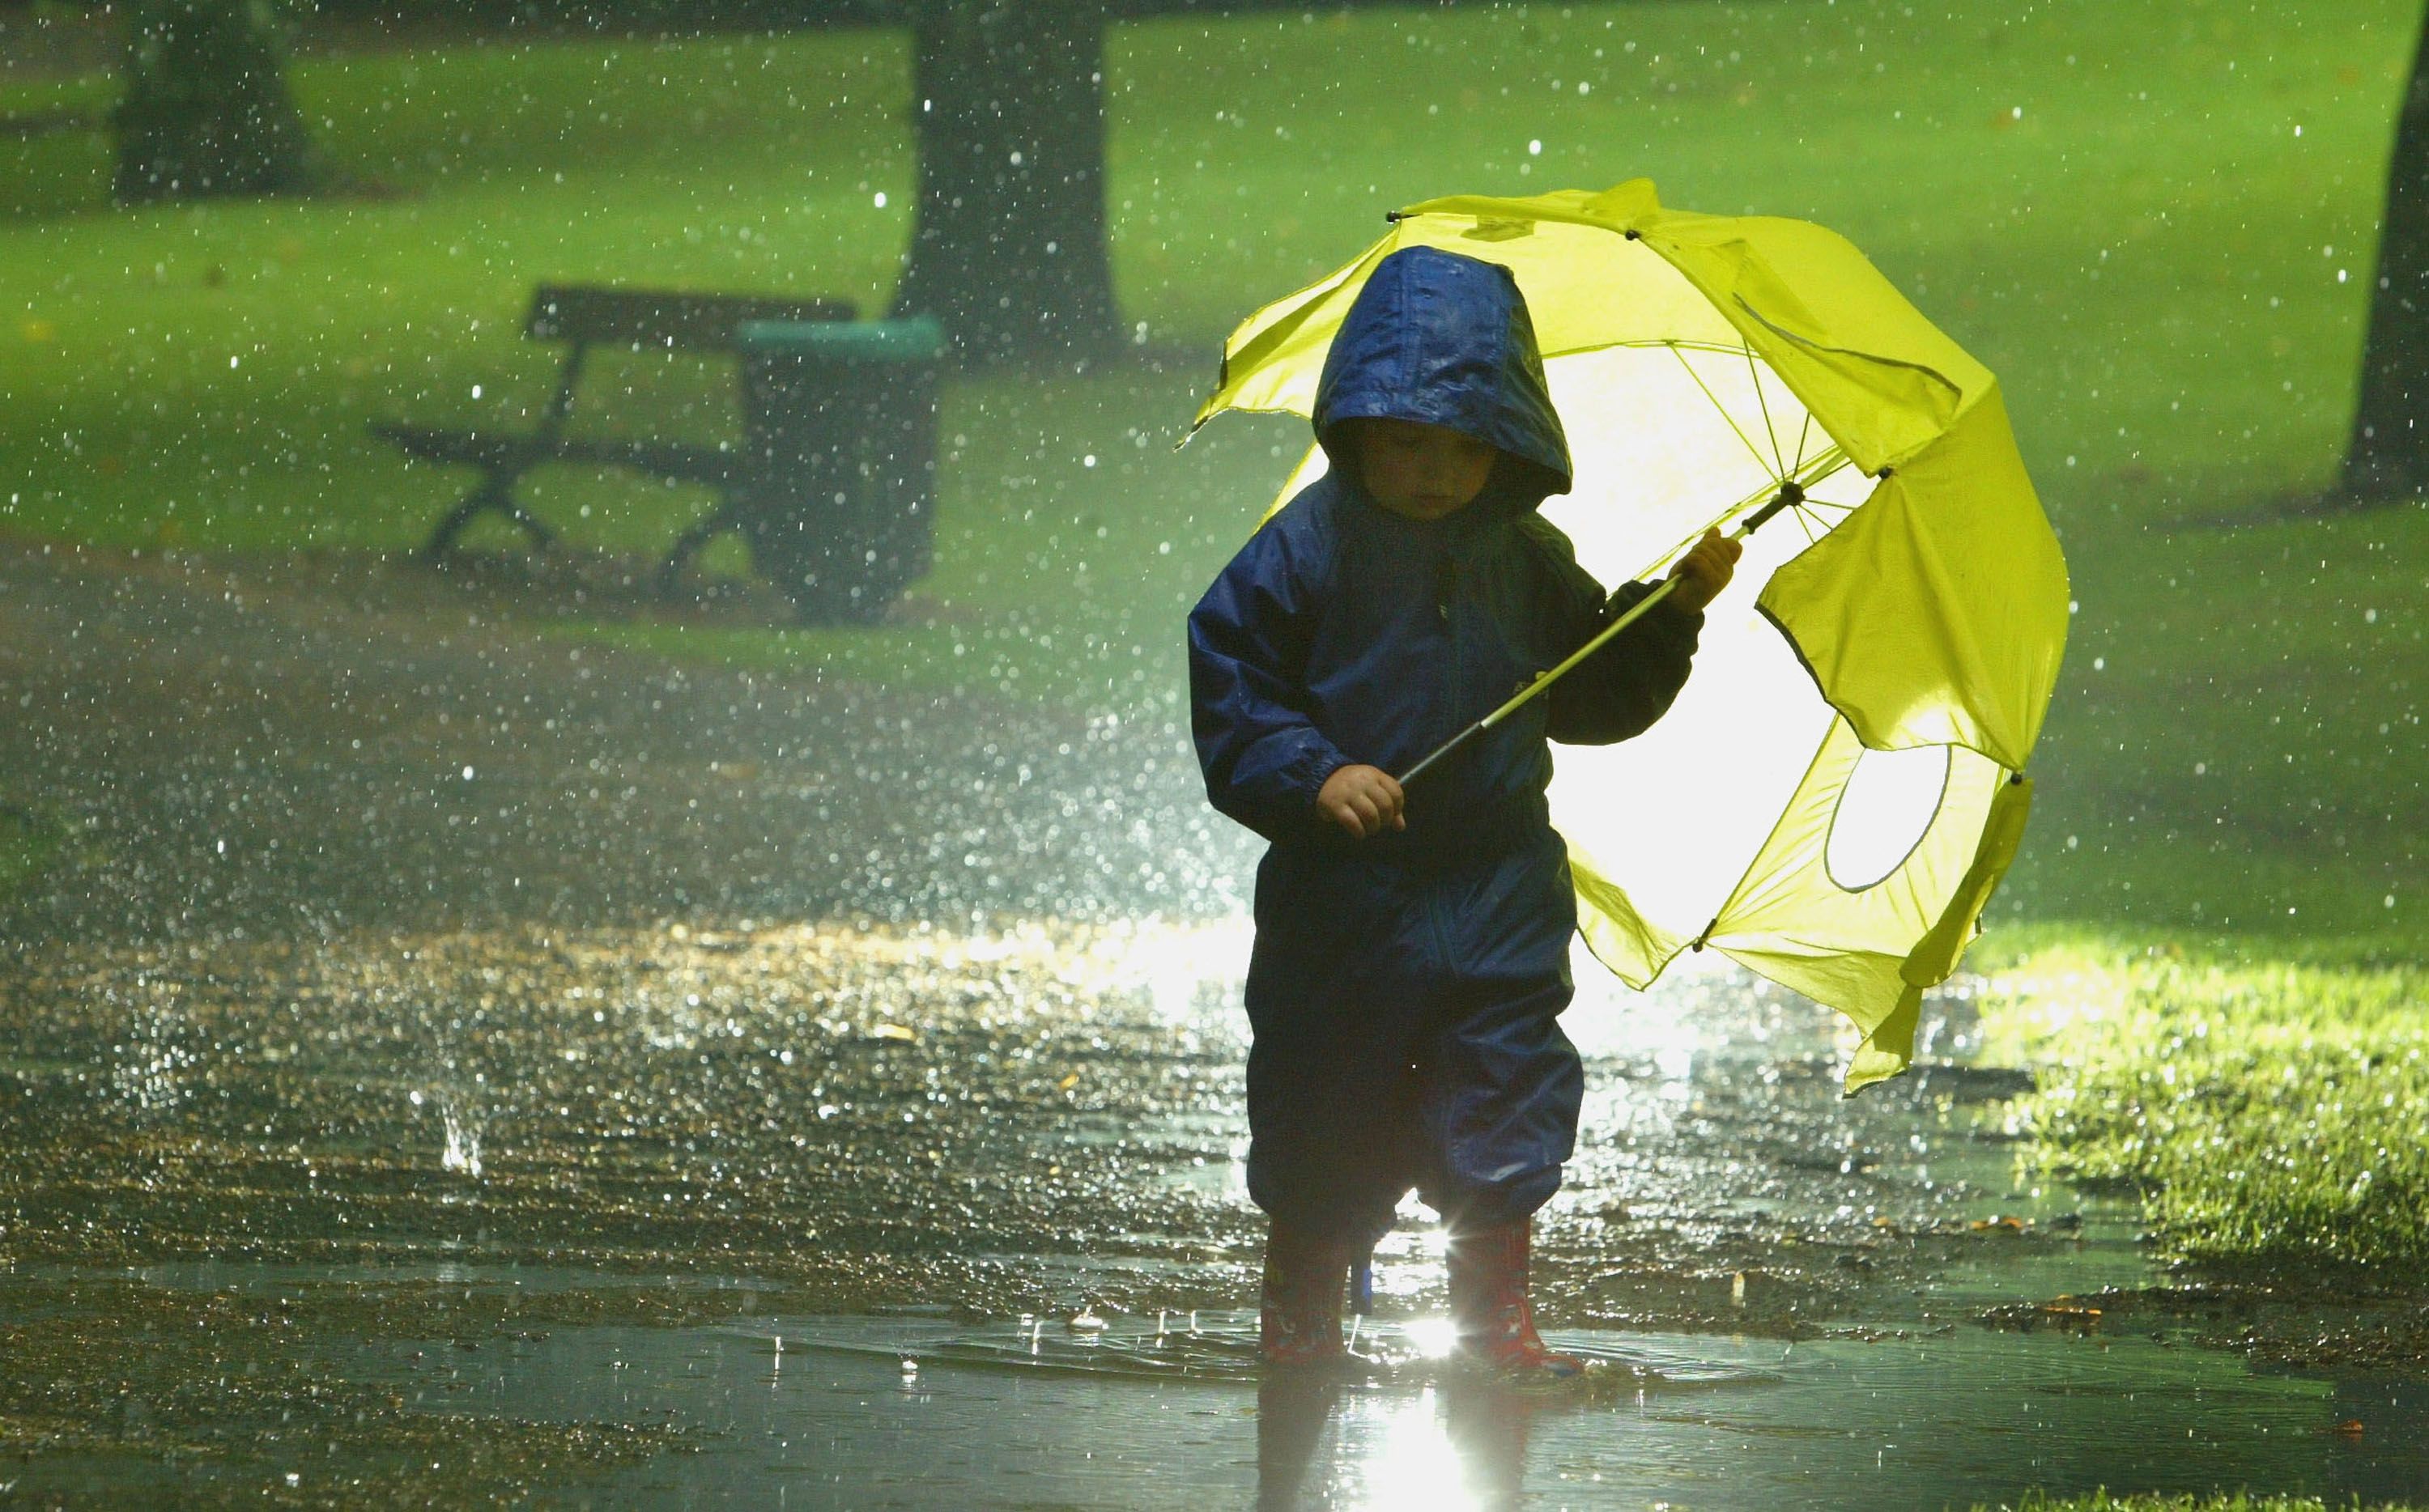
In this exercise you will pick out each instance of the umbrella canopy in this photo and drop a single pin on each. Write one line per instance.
(1832, 799)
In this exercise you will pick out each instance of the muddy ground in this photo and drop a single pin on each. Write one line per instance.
(385, 943)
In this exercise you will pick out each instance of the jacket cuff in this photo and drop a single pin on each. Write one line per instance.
(1629, 595)
(1316, 763)
(1691, 620)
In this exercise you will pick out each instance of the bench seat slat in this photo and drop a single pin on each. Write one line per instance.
(681, 461)
(662, 318)
(481, 448)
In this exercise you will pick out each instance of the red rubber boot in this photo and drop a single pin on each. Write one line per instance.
(1488, 1304)
(1298, 1315)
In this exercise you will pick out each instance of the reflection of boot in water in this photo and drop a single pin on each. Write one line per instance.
(1292, 1408)
(1298, 1314)
(1487, 1424)
(1488, 1303)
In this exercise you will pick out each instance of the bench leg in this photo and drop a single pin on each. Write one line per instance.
(495, 494)
(688, 544)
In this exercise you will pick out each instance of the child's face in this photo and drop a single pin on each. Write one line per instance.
(1419, 471)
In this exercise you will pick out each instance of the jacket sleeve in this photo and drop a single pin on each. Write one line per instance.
(1262, 756)
(1621, 690)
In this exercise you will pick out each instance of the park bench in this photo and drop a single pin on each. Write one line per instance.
(640, 320)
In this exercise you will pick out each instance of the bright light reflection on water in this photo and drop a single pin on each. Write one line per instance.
(1433, 1338)
(1416, 1468)
(1610, 1018)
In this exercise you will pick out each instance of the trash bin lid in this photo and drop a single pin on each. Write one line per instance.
(918, 339)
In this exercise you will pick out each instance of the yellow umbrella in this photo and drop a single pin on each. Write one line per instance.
(1835, 794)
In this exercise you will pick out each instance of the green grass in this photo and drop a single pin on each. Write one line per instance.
(2110, 204)
(2235, 747)
(28, 843)
(203, 376)
(2266, 1108)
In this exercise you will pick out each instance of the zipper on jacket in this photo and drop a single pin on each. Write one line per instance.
(1448, 582)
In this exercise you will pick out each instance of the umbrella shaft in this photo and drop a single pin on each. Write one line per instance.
(1520, 699)
(1790, 494)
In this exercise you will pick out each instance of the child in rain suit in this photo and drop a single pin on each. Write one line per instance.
(1412, 950)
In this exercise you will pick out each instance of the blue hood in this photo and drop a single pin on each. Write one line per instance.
(1446, 340)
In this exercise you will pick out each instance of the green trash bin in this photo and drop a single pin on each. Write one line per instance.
(838, 498)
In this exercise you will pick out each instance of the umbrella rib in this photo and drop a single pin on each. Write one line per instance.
(1802, 432)
(1770, 430)
(1822, 464)
(1725, 415)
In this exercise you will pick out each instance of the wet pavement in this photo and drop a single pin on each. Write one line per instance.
(290, 747)
(610, 1125)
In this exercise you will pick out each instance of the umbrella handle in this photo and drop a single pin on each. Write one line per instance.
(1791, 494)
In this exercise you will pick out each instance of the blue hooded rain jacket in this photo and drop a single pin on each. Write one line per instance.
(1404, 989)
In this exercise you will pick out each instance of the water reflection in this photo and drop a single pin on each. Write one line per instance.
(1292, 1412)
(1460, 1447)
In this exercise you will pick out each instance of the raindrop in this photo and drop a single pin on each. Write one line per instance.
(880, 199)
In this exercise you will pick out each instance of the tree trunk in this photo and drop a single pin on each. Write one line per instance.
(1008, 246)
(2387, 457)
(206, 112)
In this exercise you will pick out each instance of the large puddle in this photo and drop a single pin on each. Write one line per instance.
(802, 1217)
(859, 1412)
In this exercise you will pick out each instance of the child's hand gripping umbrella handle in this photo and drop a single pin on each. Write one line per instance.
(1791, 493)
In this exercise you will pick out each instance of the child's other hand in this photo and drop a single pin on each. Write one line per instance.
(1705, 570)
(1362, 799)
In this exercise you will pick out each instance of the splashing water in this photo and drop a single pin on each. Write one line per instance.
(462, 1155)
(151, 1063)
